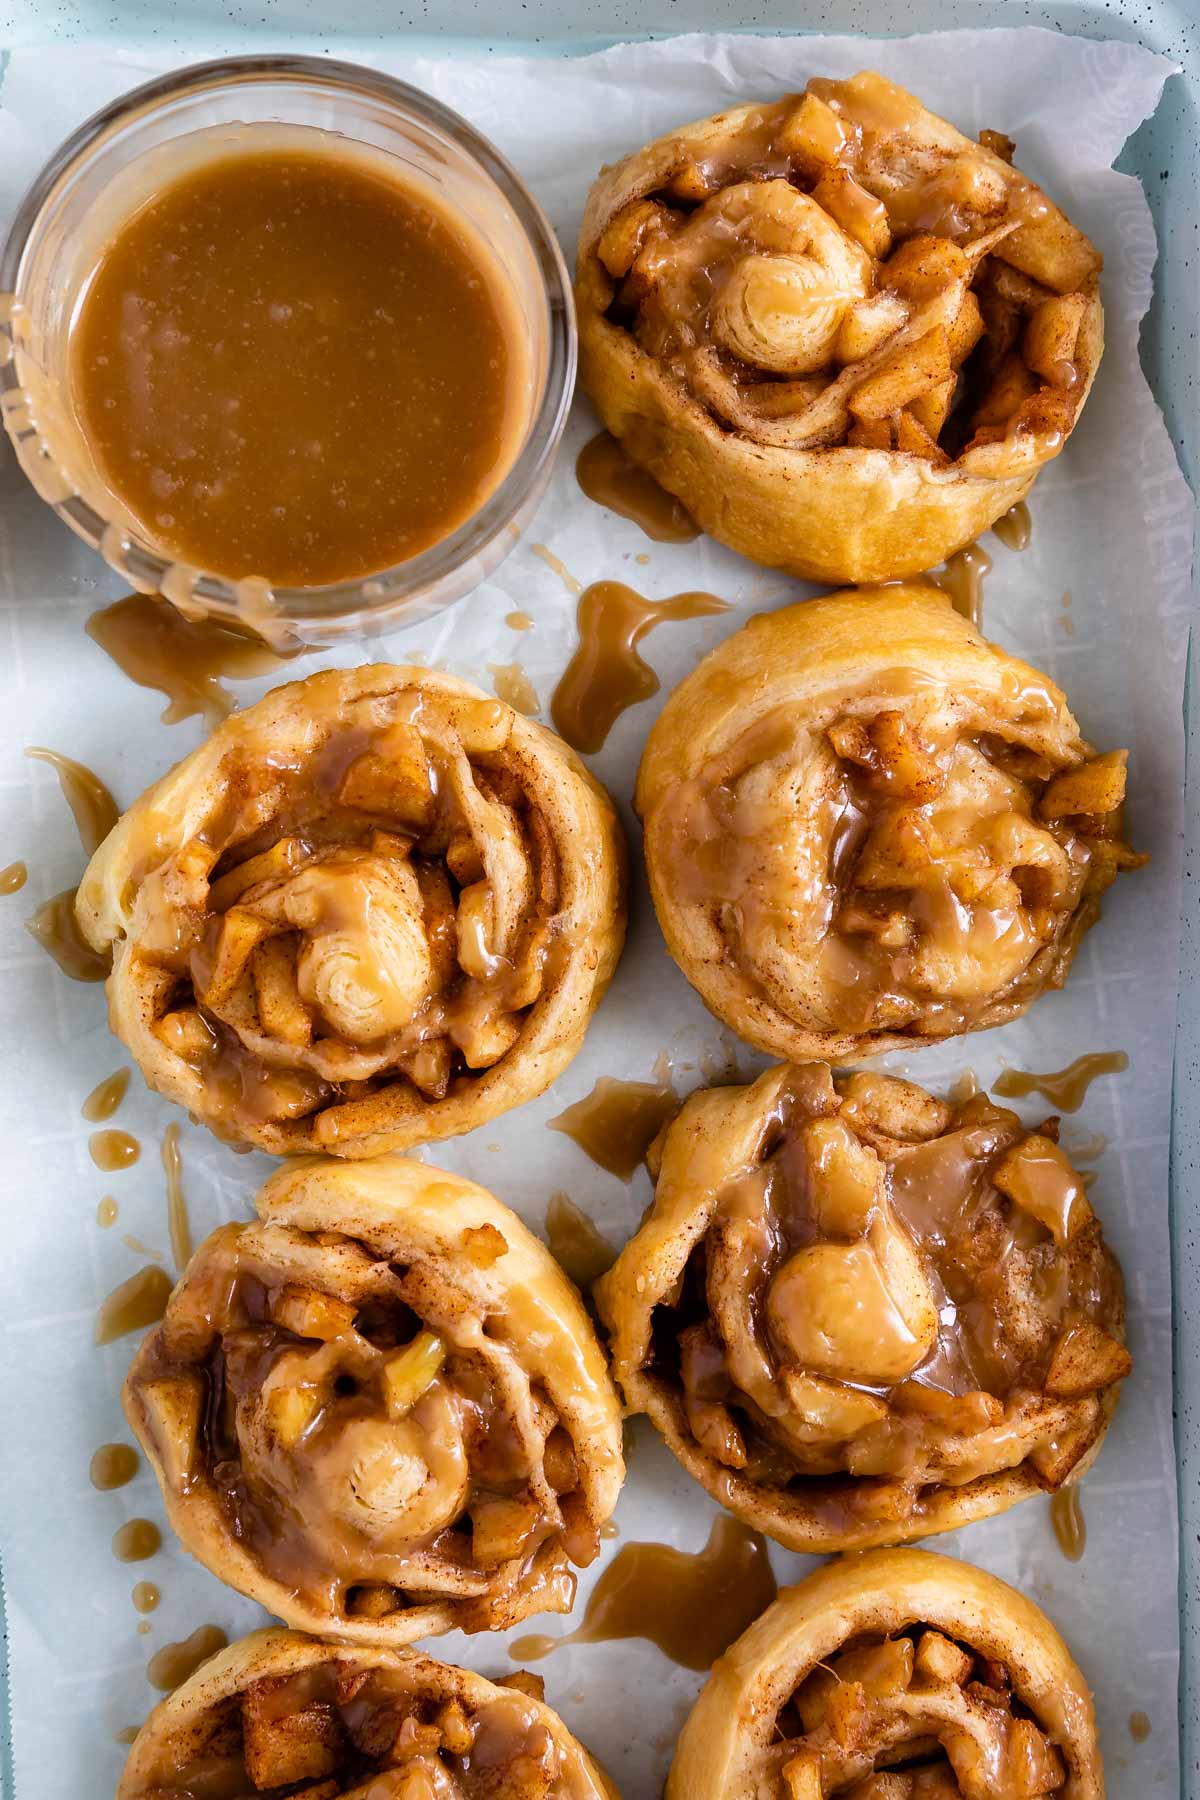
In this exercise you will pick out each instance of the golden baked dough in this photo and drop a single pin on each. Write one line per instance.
(859, 1314)
(897, 1657)
(842, 334)
(277, 1709)
(381, 1410)
(376, 909)
(866, 827)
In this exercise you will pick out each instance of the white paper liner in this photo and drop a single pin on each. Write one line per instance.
(1112, 530)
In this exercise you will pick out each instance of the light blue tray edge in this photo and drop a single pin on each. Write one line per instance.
(1164, 154)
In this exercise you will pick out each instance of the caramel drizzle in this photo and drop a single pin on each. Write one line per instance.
(171, 1666)
(690, 1605)
(112, 1466)
(1065, 1089)
(113, 1150)
(1014, 528)
(962, 579)
(1070, 1527)
(136, 1303)
(105, 1097)
(575, 1244)
(606, 675)
(13, 878)
(93, 808)
(609, 476)
(177, 1214)
(618, 1121)
(55, 927)
(156, 647)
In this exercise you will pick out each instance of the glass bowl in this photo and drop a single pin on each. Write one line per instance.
(113, 163)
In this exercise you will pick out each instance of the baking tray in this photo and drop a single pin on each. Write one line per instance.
(1164, 154)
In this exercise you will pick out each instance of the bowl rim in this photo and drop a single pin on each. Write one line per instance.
(384, 591)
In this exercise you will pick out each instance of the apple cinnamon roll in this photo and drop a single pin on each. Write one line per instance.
(381, 1410)
(859, 1314)
(844, 335)
(867, 828)
(899, 1675)
(280, 1713)
(376, 909)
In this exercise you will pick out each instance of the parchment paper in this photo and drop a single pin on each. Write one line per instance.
(1099, 599)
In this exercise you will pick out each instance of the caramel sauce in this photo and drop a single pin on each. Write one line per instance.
(13, 878)
(1065, 1089)
(112, 1150)
(559, 567)
(1070, 1528)
(575, 1244)
(105, 1097)
(56, 929)
(112, 1466)
(518, 621)
(138, 1302)
(106, 1212)
(145, 1596)
(1014, 528)
(691, 1606)
(961, 580)
(609, 476)
(514, 687)
(92, 806)
(1139, 1727)
(136, 1540)
(290, 365)
(606, 675)
(171, 1666)
(177, 1215)
(618, 1121)
(128, 1734)
(156, 647)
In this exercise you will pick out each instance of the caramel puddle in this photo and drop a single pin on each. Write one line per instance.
(559, 568)
(145, 1596)
(56, 929)
(171, 1666)
(112, 1466)
(13, 878)
(136, 1540)
(1139, 1727)
(618, 1121)
(156, 647)
(1065, 1089)
(691, 1606)
(105, 1097)
(610, 477)
(93, 808)
(138, 1302)
(1070, 1528)
(177, 1215)
(606, 675)
(1014, 528)
(112, 1150)
(961, 580)
(575, 1244)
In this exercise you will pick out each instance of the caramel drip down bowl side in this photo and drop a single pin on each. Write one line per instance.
(898, 1675)
(860, 1315)
(842, 335)
(381, 1410)
(281, 1713)
(376, 909)
(867, 828)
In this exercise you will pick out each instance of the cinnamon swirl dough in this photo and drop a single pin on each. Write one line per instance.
(866, 827)
(842, 334)
(859, 1314)
(376, 909)
(899, 1675)
(381, 1410)
(280, 1713)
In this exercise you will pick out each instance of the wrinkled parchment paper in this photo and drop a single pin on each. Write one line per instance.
(1099, 599)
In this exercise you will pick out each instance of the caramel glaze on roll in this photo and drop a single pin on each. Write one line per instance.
(867, 828)
(278, 1713)
(845, 336)
(859, 1314)
(893, 1676)
(381, 1410)
(376, 909)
